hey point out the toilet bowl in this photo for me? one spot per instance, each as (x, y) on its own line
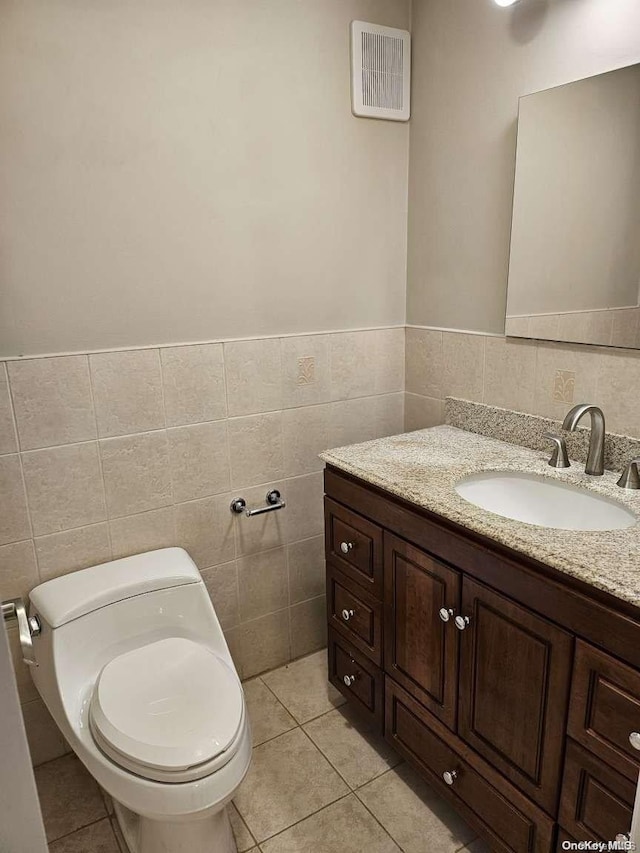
(132, 664)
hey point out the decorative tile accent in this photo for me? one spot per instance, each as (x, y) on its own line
(563, 386)
(306, 370)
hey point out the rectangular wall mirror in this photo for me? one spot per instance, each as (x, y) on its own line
(574, 268)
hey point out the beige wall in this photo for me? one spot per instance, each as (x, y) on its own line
(110, 454)
(176, 172)
(472, 60)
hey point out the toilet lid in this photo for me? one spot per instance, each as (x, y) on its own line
(169, 705)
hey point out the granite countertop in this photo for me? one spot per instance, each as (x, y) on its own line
(422, 467)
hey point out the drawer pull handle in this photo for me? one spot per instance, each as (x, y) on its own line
(445, 613)
(347, 614)
(450, 776)
(462, 622)
(345, 547)
(349, 679)
(634, 740)
(623, 836)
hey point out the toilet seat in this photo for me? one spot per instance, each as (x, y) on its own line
(170, 711)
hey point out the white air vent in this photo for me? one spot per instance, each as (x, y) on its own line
(380, 71)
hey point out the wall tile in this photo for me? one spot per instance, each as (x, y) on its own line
(8, 440)
(193, 381)
(509, 377)
(306, 372)
(625, 327)
(60, 553)
(423, 362)
(304, 513)
(145, 531)
(618, 384)
(136, 473)
(462, 365)
(52, 401)
(255, 445)
(199, 458)
(64, 487)
(127, 390)
(306, 567)
(222, 585)
(308, 626)
(598, 327)
(262, 583)
(14, 518)
(254, 376)
(389, 360)
(26, 688)
(353, 364)
(18, 569)
(388, 414)
(262, 532)
(45, 739)
(263, 643)
(422, 412)
(517, 326)
(205, 529)
(544, 326)
(580, 360)
(365, 418)
(305, 434)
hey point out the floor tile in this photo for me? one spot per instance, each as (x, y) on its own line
(357, 753)
(69, 796)
(97, 838)
(269, 718)
(244, 839)
(303, 688)
(344, 827)
(289, 779)
(416, 817)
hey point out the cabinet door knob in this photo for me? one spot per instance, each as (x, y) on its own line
(462, 622)
(345, 547)
(348, 680)
(634, 740)
(623, 836)
(445, 613)
(450, 776)
(347, 614)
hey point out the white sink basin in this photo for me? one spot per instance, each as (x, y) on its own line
(542, 501)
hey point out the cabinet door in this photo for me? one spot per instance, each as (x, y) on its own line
(420, 650)
(515, 669)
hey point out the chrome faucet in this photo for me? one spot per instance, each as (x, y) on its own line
(595, 457)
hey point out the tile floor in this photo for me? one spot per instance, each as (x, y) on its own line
(317, 784)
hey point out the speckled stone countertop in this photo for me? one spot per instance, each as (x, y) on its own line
(423, 467)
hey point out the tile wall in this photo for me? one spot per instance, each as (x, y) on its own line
(108, 454)
(538, 377)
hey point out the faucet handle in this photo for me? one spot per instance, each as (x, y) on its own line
(559, 457)
(630, 478)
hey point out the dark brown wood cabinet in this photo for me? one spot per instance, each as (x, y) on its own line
(510, 687)
(421, 651)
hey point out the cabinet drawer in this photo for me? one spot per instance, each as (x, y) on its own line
(605, 708)
(597, 802)
(354, 544)
(355, 614)
(358, 679)
(511, 822)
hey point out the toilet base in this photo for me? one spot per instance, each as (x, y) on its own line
(211, 834)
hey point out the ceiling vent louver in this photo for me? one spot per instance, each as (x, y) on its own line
(380, 71)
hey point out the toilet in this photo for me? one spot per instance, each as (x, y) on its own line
(132, 664)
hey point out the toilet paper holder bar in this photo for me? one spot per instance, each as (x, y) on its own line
(239, 505)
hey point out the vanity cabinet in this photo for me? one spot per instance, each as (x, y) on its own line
(510, 688)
